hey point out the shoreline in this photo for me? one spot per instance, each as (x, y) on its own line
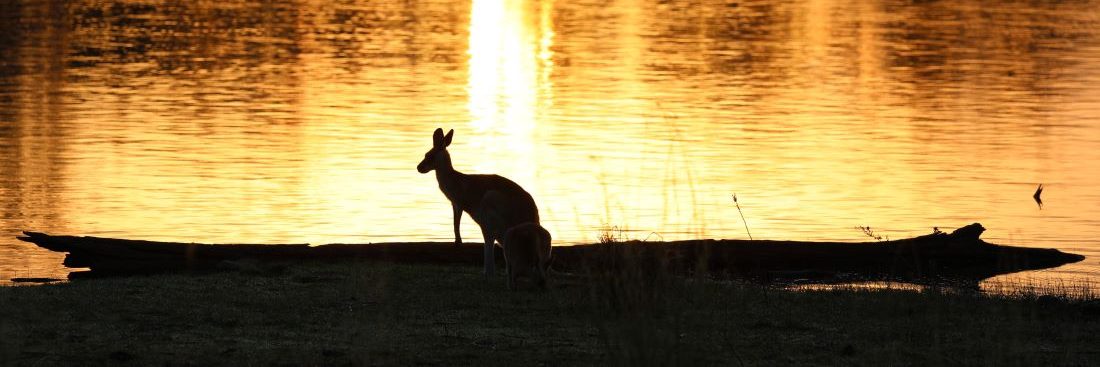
(372, 313)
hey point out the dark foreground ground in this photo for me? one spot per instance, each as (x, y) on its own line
(383, 314)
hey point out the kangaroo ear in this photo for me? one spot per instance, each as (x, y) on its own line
(447, 139)
(437, 138)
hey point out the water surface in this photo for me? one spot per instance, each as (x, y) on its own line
(302, 121)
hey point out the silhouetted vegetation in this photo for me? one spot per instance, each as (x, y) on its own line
(381, 314)
(867, 231)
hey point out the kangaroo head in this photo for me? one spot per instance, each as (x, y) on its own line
(437, 157)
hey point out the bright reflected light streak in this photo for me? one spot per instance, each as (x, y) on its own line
(508, 68)
(509, 81)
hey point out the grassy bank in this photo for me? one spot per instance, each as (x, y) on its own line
(380, 314)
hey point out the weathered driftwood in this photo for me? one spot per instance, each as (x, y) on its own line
(960, 255)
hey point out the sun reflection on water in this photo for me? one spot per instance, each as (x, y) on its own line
(236, 121)
(509, 55)
(510, 62)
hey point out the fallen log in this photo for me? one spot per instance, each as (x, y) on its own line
(960, 255)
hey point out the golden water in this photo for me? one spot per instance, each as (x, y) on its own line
(302, 121)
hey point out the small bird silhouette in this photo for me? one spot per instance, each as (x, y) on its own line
(1039, 200)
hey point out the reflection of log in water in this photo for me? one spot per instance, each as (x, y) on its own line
(960, 255)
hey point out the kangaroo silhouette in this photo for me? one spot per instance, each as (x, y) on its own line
(511, 205)
(527, 253)
(526, 245)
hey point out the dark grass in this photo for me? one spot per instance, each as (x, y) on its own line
(362, 313)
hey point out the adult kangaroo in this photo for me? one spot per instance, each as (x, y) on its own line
(466, 193)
